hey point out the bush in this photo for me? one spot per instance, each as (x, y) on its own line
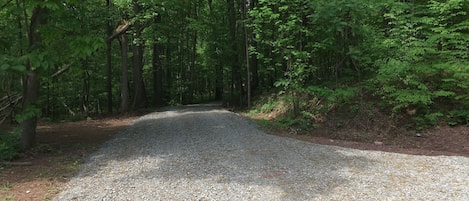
(9, 145)
(430, 89)
(456, 117)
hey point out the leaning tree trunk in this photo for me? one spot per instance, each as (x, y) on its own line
(31, 83)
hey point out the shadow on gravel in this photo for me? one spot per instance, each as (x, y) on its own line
(204, 148)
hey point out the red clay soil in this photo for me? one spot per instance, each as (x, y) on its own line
(449, 141)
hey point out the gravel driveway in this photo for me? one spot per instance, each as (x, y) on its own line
(203, 152)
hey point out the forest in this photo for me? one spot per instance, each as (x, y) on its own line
(75, 59)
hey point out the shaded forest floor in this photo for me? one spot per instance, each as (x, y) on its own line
(40, 174)
(62, 147)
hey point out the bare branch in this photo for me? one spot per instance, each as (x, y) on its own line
(61, 71)
(8, 102)
(120, 29)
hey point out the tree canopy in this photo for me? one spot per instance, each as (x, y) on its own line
(81, 58)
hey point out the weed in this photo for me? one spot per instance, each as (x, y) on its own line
(7, 185)
(8, 197)
(50, 193)
(3, 189)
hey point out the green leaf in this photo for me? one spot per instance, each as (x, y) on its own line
(19, 68)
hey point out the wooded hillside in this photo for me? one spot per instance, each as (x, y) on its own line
(72, 58)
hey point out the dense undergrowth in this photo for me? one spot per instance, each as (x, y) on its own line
(9, 144)
(354, 108)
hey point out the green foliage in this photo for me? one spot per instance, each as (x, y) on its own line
(28, 112)
(266, 105)
(9, 144)
(320, 54)
(458, 117)
(298, 123)
(428, 69)
(339, 96)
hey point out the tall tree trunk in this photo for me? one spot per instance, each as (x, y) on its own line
(124, 88)
(246, 50)
(181, 76)
(157, 70)
(235, 72)
(169, 80)
(109, 62)
(254, 60)
(140, 99)
(190, 98)
(31, 82)
(86, 88)
(193, 56)
(218, 68)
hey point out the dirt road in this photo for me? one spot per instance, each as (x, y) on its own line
(203, 152)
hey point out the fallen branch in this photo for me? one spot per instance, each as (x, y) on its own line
(8, 102)
(61, 71)
(69, 110)
(5, 163)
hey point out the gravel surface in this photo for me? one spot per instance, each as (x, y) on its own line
(203, 152)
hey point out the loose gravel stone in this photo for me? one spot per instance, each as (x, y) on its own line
(203, 152)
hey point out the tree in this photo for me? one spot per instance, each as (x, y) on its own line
(31, 81)
(157, 69)
(109, 60)
(137, 61)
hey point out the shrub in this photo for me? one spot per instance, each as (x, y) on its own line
(9, 145)
(430, 89)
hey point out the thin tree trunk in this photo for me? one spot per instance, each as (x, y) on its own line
(168, 78)
(124, 88)
(219, 82)
(157, 75)
(254, 60)
(86, 88)
(157, 70)
(246, 49)
(192, 68)
(193, 56)
(109, 63)
(181, 77)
